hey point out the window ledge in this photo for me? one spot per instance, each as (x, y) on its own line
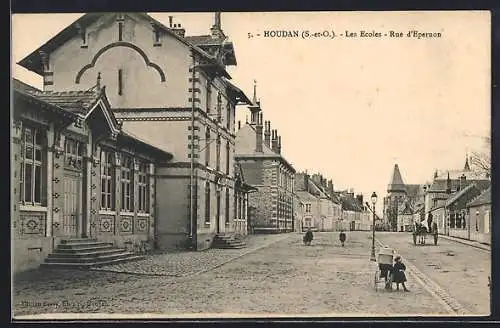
(32, 208)
(107, 212)
(143, 214)
(126, 213)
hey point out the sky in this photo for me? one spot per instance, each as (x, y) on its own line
(348, 108)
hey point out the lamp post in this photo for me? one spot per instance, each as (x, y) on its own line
(374, 200)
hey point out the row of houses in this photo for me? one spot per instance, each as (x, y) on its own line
(133, 139)
(458, 201)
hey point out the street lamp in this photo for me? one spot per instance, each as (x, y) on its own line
(374, 200)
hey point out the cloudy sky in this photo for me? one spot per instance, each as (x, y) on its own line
(349, 108)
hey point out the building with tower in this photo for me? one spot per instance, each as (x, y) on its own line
(168, 89)
(258, 151)
(401, 202)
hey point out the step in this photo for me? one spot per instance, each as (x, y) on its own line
(66, 265)
(96, 259)
(80, 250)
(78, 240)
(88, 254)
(83, 245)
(231, 247)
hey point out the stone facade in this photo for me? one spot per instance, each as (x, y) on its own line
(258, 151)
(168, 89)
(77, 174)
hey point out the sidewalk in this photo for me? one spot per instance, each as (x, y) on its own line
(180, 264)
(467, 242)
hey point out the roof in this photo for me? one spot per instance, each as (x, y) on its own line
(350, 203)
(414, 190)
(245, 146)
(439, 185)
(482, 199)
(305, 196)
(456, 196)
(147, 144)
(19, 85)
(78, 102)
(396, 183)
(33, 61)
(237, 92)
(204, 40)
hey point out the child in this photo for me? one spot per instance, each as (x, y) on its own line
(398, 271)
(342, 237)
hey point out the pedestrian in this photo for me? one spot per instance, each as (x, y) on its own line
(308, 237)
(342, 237)
(398, 273)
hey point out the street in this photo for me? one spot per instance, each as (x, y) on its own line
(284, 277)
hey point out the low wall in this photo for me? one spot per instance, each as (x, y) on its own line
(30, 253)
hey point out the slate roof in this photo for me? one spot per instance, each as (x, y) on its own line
(350, 203)
(204, 40)
(414, 190)
(20, 85)
(440, 184)
(396, 183)
(305, 196)
(237, 91)
(456, 196)
(483, 198)
(78, 102)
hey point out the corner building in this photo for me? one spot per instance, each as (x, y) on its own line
(169, 89)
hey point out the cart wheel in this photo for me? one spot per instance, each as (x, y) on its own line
(435, 239)
(414, 239)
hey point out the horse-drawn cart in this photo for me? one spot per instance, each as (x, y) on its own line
(420, 233)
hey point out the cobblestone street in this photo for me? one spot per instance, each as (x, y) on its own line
(285, 277)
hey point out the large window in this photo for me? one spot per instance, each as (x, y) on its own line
(143, 186)
(308, 208)
(219, 107)
(207, 202)
(73, 151)
(218, 153)
(228, 115)
(32, 163)
(227, 205)
(228, 157)
(127, 191)
(209, 96)
(207, 147)
(107, 180)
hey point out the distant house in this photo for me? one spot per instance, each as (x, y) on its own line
(351, 210)
(308, 196)
(479, 217)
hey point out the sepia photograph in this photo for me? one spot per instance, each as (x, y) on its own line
(326, 164)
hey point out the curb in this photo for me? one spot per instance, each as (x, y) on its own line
(451, 305)
(467, 242)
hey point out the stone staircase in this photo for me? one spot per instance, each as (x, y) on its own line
(85, 253)
(227, 241)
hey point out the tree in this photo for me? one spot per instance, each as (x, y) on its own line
(481, 160)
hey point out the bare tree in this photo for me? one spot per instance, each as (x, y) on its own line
(481, 160)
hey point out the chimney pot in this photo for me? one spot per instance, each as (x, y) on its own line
(170, 18)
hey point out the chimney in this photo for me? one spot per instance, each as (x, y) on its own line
(463, 178)
(170, 18)
(274, 141)
(267, 133)
(178, 30)
(258, 134)
(330, 187)
(279, 144)
(448, 184)
(306, 182)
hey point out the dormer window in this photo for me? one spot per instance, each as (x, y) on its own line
(83, 35)
(156, 37)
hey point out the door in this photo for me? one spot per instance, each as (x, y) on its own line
(487, 222)
(72, 204)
